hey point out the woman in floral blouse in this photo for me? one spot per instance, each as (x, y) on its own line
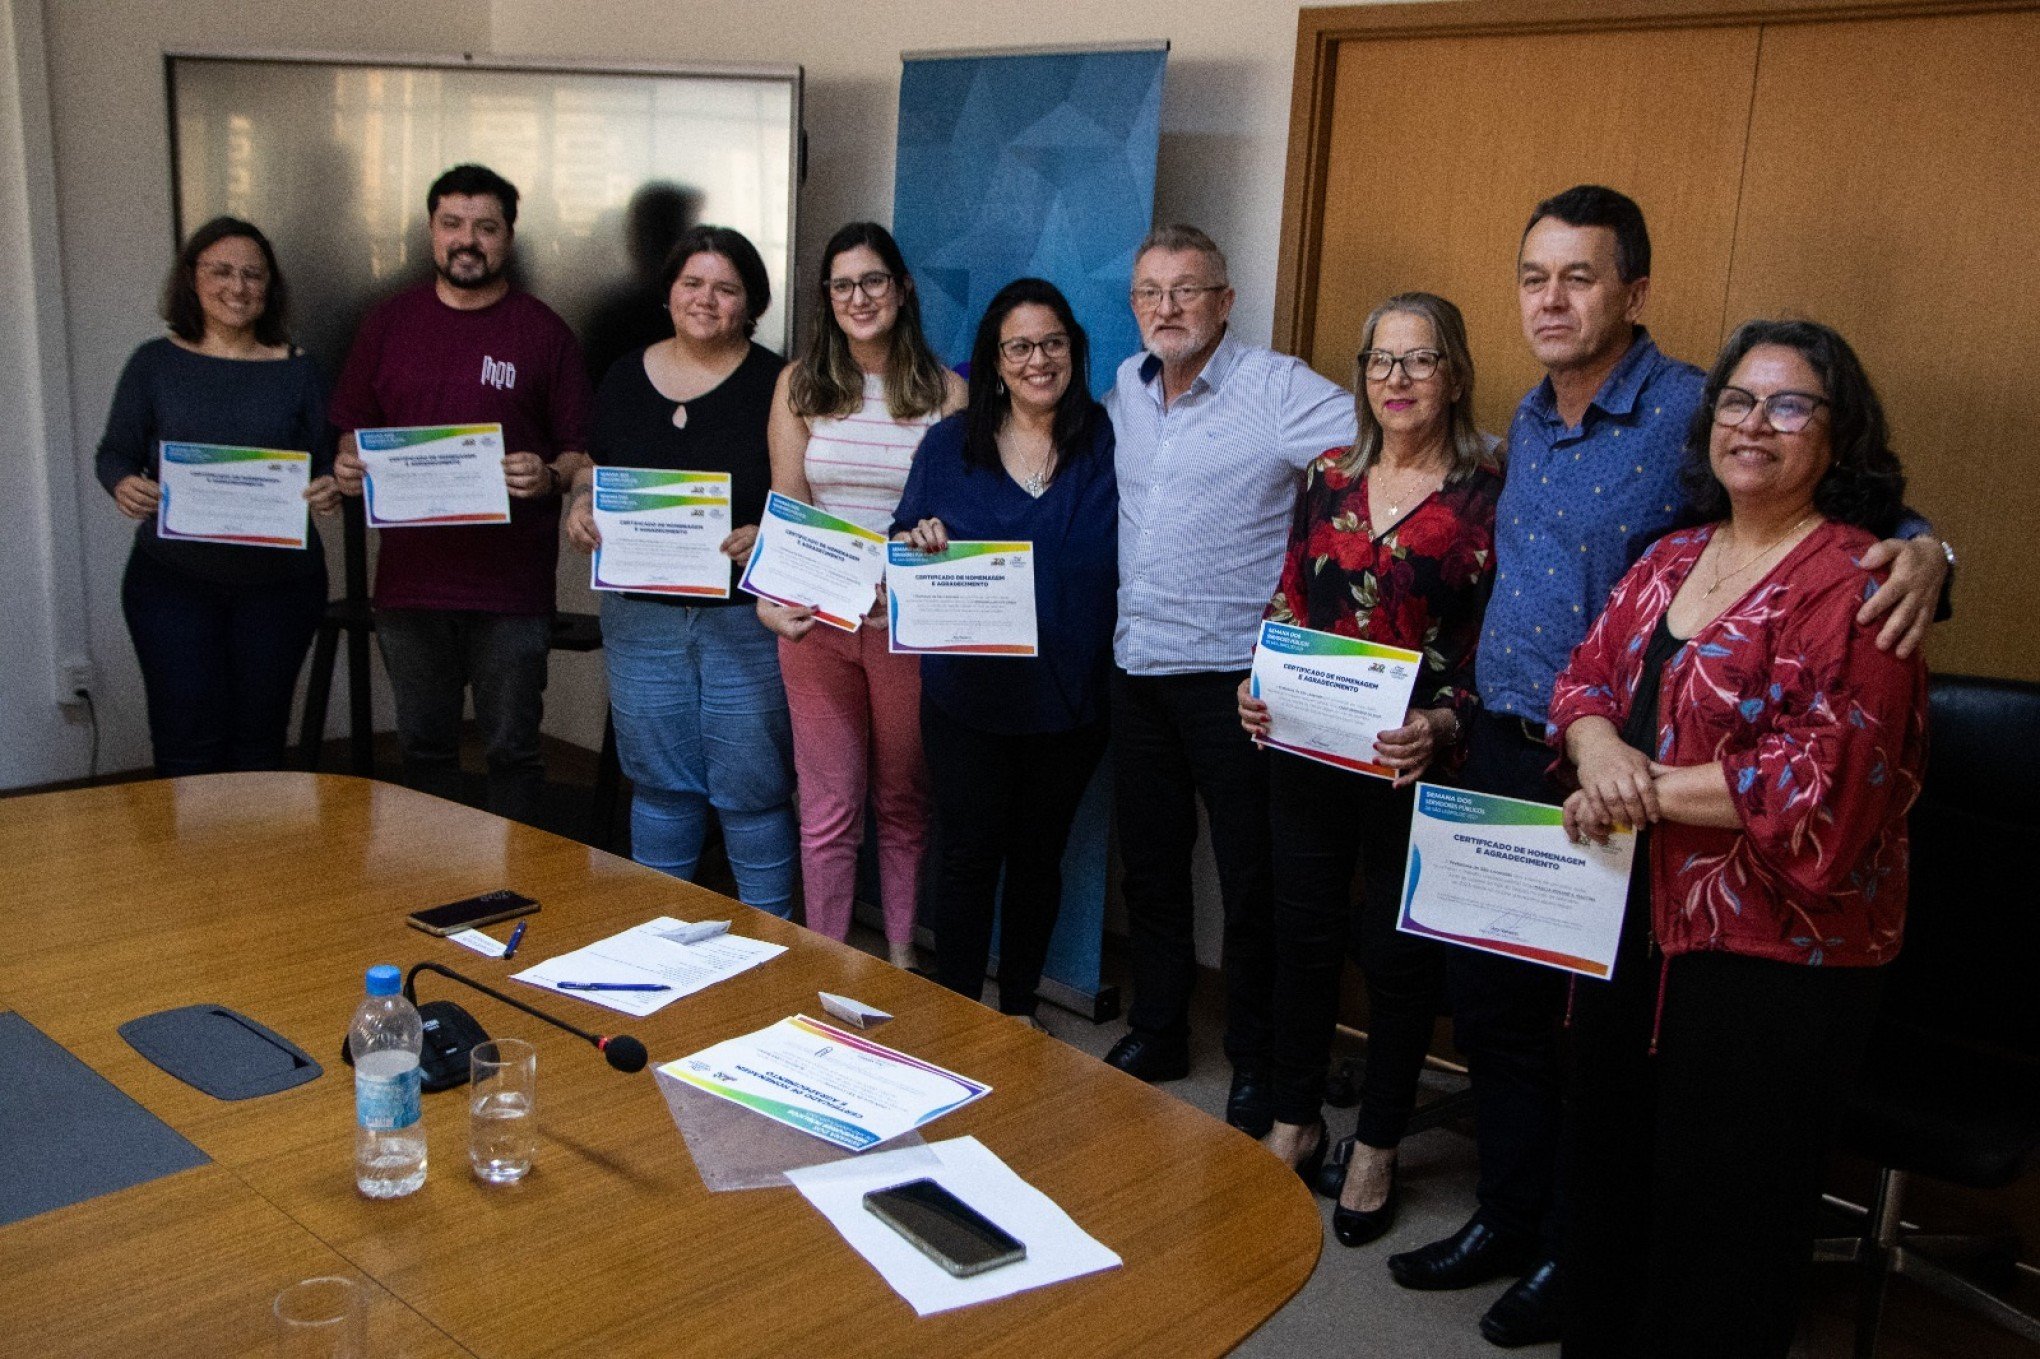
(1728, 702)
(1393, 542)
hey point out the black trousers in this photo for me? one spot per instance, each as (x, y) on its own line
(1693, 1177)
(1322, 822)
(1003, 803)
(1177, 738)
(219, 662)
(1506, 1017)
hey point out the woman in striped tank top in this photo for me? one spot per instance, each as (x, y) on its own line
(846, 419)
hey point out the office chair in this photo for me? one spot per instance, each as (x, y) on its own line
(1952, 1088)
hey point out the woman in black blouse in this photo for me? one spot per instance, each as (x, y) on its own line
(220, 629)
(694, 682)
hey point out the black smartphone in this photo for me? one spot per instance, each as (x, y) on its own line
(944, 1228)
(472, 912)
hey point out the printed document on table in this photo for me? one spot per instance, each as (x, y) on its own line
(1328, 696)
(429, 475)
(1498, 874)
(211, 493)
(827, 1082)
(1057, 1248)
(807, 557)
(970, 599)
(662, 532)
(645, 954)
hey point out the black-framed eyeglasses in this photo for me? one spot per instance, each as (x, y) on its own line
(873, 285)
(1182, 295)
(1019, 350)
(1786, 412)
(1417, 364)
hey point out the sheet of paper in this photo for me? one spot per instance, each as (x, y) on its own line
(1328, 697)
(479, 942)
(807, 557)
(215, 494)
(1498, 874)
(662, 532)
(827, 1082)
(429, 475)
(971, 599)
(643, 954)
(1057, 1248)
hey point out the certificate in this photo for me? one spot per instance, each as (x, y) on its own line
(215, 494)
(662, 532)
(970, 599)
(827, 1082)
(1498, 874)
(1328, 697)
(805, 557)
(444, 474)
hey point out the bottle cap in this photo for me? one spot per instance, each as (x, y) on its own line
(384, 980)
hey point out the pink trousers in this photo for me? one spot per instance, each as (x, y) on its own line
(856, 712)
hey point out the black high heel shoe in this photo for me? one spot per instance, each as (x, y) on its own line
(1307, 1169)
(1331, 1177)
(1358, 1226)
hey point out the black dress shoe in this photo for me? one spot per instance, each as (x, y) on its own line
(1149, 1058)
(1358, 1226)
(1250, 1105)
(1528, 1313)
(1472, 1255)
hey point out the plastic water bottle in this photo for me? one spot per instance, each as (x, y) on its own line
(389, 1137)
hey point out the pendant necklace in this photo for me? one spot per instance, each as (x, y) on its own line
(1723, 577)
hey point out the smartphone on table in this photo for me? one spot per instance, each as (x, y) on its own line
(944, 1228)
(472, 913)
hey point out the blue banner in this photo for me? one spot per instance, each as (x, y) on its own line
(1010, 166)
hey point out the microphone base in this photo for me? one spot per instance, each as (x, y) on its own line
(451, 1034)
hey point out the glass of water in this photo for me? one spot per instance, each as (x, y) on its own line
(503, 1110)
(324, 1318)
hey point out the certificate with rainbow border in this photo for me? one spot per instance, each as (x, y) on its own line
(430, 475)
(1499, 875)
(827, 1082)
(212, 493)
(809, 558)
(970, 599)
(1328, 696)
(662, 532)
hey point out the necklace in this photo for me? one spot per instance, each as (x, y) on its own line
(1395, 497)
(1036, 484)
(1723, 577)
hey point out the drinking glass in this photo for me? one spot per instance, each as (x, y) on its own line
(503, 1110)
(323, 1318)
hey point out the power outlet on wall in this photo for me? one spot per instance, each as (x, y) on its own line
(74, 678)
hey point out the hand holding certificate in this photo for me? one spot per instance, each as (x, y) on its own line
(1328, 696)
(1499, 874)
(970, 599)
(662, 532)
(451, 474)
(807, 558)
(251, 496)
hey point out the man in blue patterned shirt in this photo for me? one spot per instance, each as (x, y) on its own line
(1593, 459)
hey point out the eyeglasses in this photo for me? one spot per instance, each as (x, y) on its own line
(1019, 350)
(1182, 295)
(227, 273)
(1379, 365)
(873, 285)
(1786, 412)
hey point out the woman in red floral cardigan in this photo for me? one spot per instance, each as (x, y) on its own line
(1728, 703)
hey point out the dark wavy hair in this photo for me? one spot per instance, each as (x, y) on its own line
(826, 380)
(732, 245)
(180, 290)
(1864, 485)
(1076, 413)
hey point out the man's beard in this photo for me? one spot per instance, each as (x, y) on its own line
(473, 282)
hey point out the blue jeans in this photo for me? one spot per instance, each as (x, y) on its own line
(701, 722)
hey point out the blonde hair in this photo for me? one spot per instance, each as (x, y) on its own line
(1466, 447)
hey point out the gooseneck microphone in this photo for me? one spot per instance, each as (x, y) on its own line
(622, 1051)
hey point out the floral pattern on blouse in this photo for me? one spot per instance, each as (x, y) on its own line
(1821, 738)
(1422, 585)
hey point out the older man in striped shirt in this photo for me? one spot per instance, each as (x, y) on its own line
(1212, 435)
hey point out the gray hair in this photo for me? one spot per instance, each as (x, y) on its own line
(1465, 446)
(1179, 236)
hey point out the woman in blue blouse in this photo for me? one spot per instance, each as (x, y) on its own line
(1012, 742)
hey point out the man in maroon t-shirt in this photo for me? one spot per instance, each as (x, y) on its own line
(470, 605)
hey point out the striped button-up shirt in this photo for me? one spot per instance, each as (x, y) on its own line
(1206, 488)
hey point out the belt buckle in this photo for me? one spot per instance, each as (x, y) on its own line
(1533, 732)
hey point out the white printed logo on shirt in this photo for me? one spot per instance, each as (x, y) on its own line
(500, 375)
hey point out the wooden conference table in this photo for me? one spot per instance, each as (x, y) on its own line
(270, 893)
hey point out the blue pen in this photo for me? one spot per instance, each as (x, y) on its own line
(612, 986)
(516, 938)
